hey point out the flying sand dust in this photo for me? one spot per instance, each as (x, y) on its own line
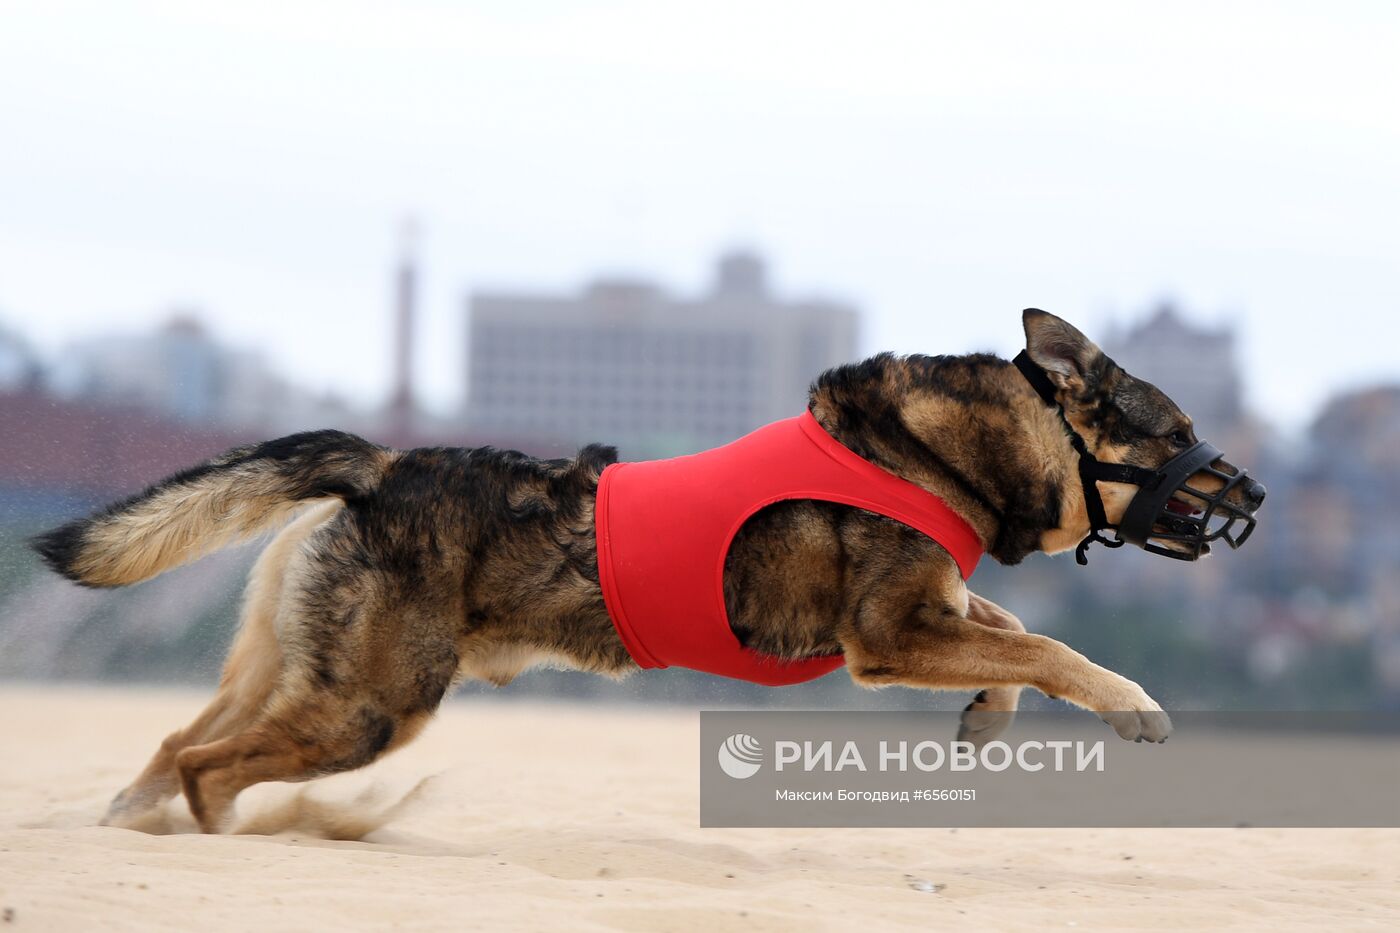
(303, 813)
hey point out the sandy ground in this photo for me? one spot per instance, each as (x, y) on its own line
(507, 817)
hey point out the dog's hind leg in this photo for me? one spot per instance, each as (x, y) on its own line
(313, 735)
(369, 647)
(990, 713)
(250, 674)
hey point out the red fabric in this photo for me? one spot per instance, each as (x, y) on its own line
(665, 526)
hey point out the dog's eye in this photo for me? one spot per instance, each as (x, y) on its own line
(1181, 438)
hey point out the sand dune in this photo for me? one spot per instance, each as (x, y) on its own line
(507, 817)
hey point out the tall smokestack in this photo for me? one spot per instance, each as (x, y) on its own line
(405, 299)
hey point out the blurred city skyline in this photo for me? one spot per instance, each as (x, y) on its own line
(940, 166)
(528, 353)
(67, 368)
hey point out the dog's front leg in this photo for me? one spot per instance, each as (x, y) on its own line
(939, 648)
(990, 713)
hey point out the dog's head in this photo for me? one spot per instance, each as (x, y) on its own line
(1126, 420)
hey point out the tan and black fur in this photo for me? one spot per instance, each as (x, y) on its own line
(406, 571)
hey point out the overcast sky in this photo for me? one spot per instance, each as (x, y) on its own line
(943, 165)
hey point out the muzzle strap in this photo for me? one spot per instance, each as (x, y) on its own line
(1091, 470)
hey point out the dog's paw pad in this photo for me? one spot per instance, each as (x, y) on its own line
(1147, 725)
(980, 726)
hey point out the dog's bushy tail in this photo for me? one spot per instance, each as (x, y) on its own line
(180, 519)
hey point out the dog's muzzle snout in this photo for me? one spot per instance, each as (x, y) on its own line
(1175, 517)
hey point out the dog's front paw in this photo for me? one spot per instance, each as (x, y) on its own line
(1140, 719)
(988, 715)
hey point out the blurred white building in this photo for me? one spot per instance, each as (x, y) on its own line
(183, 372)
(177, 371)
(626, 363)
(19, 365)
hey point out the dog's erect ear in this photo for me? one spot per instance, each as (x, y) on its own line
(1070, 359)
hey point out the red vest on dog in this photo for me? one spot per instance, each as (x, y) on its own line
(665, 526)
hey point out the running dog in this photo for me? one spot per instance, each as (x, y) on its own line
(398, 573)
